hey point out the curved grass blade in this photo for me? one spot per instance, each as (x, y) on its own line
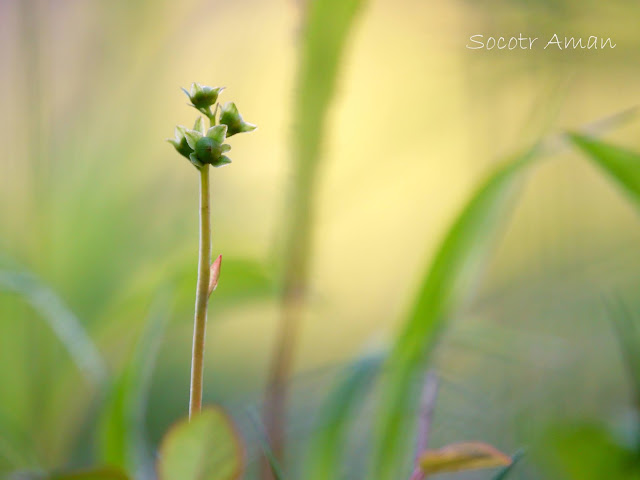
(121, 431)
(455, 266)
(504, 473)
(276, 470)
(626, 330)
(622, 165)
(65, 325)
(327, 448)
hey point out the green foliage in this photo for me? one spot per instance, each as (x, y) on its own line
(327, 29)
(622, 165)
(60, 319)
(628, 336)
(274, 465)
(588, 451)
(330, 434)
(448, 279)
(121, 433)
(205, 448)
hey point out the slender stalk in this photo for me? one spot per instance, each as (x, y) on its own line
(295, 283)
(202, 296)
(276, 395)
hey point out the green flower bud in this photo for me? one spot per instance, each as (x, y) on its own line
(209, 148)
(230, 117)
(180, 142)
(203, 97)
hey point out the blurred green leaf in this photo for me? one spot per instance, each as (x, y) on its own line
(274, 466)
(627, 334)
(205, 448)
(327, 28)
(327, 447)
(66, 326)
(620, 164)
(454, 268)
(121, 430)
(587, 451)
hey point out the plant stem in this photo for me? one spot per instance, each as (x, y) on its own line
(295, 282)
(202, 296)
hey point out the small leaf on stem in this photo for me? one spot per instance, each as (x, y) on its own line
(462, 456)
(214, 274)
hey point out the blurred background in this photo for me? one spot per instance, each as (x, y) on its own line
(98, 213)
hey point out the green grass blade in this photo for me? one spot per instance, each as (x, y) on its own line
(327, 447)
(504, 473)
(328, 25)
(454, 267)
(327, 29)
(622, 165)
(62, 321)
(121, 435)
(276, 470)
(626, 331)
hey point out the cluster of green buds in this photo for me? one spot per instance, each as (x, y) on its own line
(206, 146)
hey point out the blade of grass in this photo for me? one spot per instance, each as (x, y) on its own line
(326, 31)
(516, 457)
(121, 431)
(455, 265)
(327, 448)
(620, 164)
(628, 339)
(66, 326)
(272, 461)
